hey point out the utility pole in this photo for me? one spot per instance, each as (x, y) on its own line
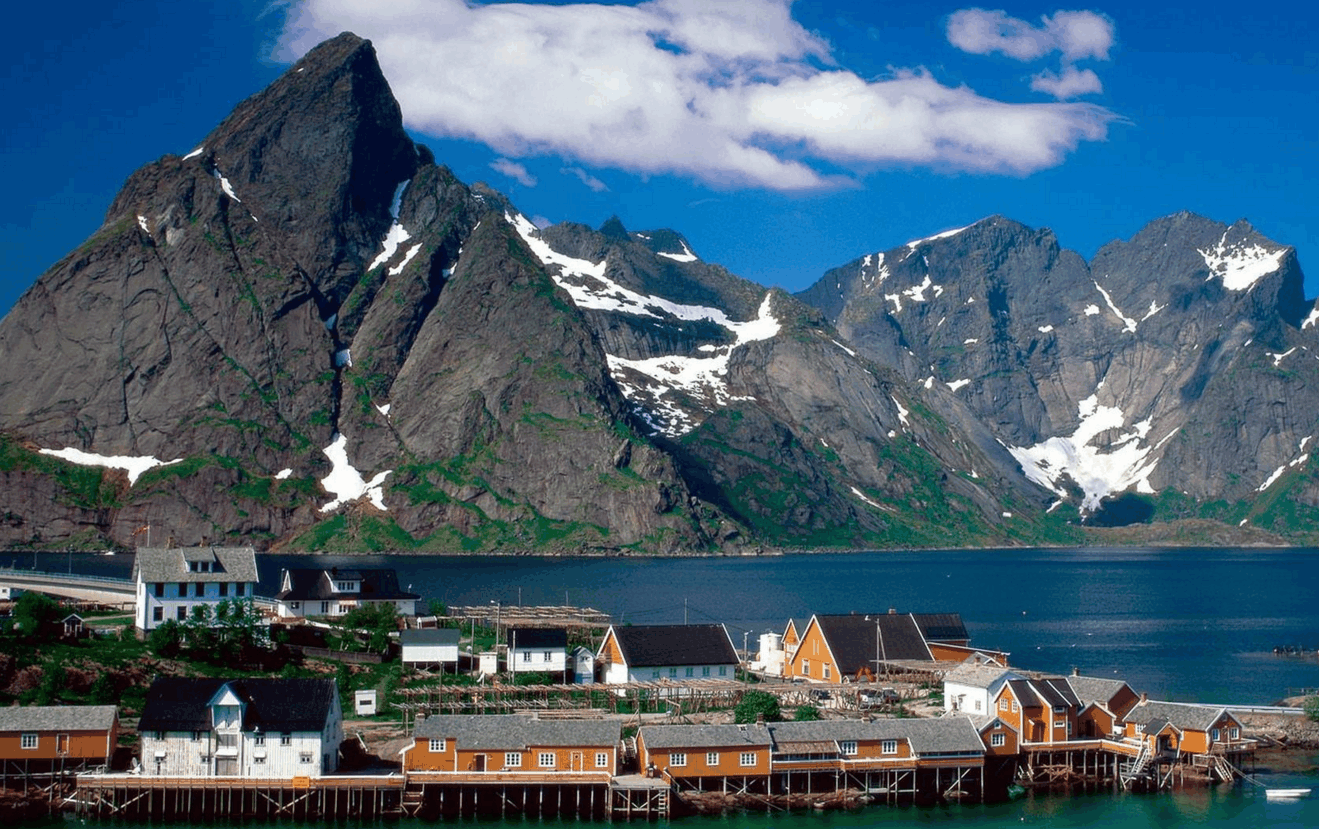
(684, 610)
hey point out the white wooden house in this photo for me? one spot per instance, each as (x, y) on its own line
(538, 650)
(972, 689)
(335, 591)
(170, 582)
(264, 728)
(651, 653)
(430, 648)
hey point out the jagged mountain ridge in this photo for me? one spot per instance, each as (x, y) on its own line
(1182, 362)
(305, 333)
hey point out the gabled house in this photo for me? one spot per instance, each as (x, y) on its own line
(704, 756)
(256, 727)
(652, 653)
(834, 647)
(538, 650)
(431, 648)
(513, 747)
(337, 590)
(1042, 710)
(54, 736)
(171, 581)
(1104, 702)
(972, 689)
(1182, 730)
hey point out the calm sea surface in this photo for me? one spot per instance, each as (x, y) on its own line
(1186, 624)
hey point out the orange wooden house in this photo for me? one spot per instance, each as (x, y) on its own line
(1042, 711)
(707, 757)
(40, 737)
(513, 747)
(840, 647)
(1104, 702)
(1181, 730)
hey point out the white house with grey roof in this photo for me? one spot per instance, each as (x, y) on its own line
(171, 581)
(970, 688)
(430, 648)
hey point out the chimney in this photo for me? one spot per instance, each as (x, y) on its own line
(1144, 697)
(893, 611)
(420, 716)
(1076, 671)
(760, 719)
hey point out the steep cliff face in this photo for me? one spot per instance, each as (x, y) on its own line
(1180, 362)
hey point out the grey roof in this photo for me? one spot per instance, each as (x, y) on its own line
(647, 646)
(1183, 715)
(429, 636)
(1090, 689)
(950, 735)
(1056, 692)
(57, 717)
(517, 732)
(705, 736)
(230, 564)
(942, 627)
(978, 676)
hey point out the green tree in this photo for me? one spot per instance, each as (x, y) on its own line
(806, 713)
(377, 621)
(52, 683)
(35, 613)
(166, 640)
(757, 704)
(1312, 708)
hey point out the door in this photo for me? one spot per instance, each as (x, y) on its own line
(576, 762)
(62, 744)
(478, 763)
(226, 766)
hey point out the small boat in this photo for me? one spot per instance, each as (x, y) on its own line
(1286, 794)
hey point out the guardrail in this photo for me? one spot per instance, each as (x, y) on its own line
(41, 576)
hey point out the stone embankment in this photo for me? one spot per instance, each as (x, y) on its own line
(1282, 730)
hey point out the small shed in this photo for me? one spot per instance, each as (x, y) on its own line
(430, 648)
(364, 702)
(73, 627)
(583, 662)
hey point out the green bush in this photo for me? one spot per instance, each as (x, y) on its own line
(1312, 708)
(806, 713)
(756, 704)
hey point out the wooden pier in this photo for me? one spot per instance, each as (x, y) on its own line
(138, 796)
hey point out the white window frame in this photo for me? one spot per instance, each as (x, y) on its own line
(826, 669)
(997, 740)
(1234, 733)
(602, 759)
(304, 757)
(712, 758)
(847, 747)
(723, 670)
(30, 740)
(1216, 735)
(678, 759)
(888, 747)
(1003, 704)
(746, 759)
(546, 760)
(512, 759)
(436, 745)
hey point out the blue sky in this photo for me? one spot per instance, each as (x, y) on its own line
(781, 140)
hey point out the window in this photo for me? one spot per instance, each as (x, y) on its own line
(160, 735)
(705, 671)
(1014, 706)
(512, 760)
(259, 740)
(826, 668)
(997, 739)
(848, 747)
(181, 612)
(673, 673)
(29, 740)
(526, 656)
(691, 672)
(157, 614)
(723, 670)
(1003, 704)
(224, 588)
(654, 674)
(678, 758)
(977, 705)
(160, 590)
(888, 747)
(325, 607)
(1215, 735)
(304, 757)
(239, 588)
(286, 739)
(437, 746)
(746, 758)
(712, 758)
(545, 759)
(183, 590)
(196, 736)
(259, 760)
(199, 590)
(602, 759)
(1234, 733)
(806, 667)
(1059, 724)
(546, 656)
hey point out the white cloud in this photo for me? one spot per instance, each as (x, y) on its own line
(513, 170)
(729, 92)
(1076, 34)
(586, 178)
(1071, 83)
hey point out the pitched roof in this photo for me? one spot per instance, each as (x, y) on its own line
(754, 735)
(429, 636)
(978, 676)
(646, 646)
(1056, 692)
(942, 627)
(182, 703)
(164, 564)
(1095, 689)
(515, 731)
(948, 735)
(1182, 715)
(57, 717)
(307, 584)
(858, 641)
(538, 638)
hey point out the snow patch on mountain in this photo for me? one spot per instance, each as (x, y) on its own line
(345, 483)
(858, 493)
(685, 256)
(142, 223)
(1129, 324)
(873, 269)
(396, 235)
(911, 246)
(1238, 264)
(407, 257)
(226, 186)
(1278, 358)
(1099, 471)
(194, 153)
(1091, 310)
(902, 411)
(957, 384)
(133, 465)
(1311, 319)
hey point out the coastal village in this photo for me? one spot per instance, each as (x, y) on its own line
(557, 711)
